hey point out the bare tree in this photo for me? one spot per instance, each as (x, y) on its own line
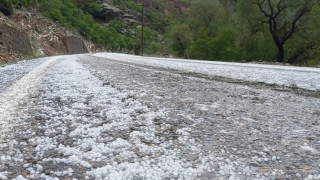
(283, 19)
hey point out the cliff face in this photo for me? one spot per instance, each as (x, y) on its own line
(28, 34)
(13, 42)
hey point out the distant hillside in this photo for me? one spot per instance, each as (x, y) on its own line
(124, 17)
(222, 30)
(112, 25)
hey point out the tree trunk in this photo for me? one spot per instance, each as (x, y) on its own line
(280, 53)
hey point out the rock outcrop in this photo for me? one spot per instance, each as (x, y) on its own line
(75, 45)
(110, 12)
(14, 43)
(167, 7)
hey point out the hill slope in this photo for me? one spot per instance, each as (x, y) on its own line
(28, 34)
(42, 28)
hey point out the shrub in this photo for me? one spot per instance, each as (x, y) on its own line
(6, 7)
(134, 6)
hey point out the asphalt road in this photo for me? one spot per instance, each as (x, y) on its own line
(114, 116)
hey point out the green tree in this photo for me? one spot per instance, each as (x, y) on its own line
(304, 48)
(283, 18)
(213, 35)
(181, 38)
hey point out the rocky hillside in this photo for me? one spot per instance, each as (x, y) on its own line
(128, 10)
(49, 28)
(167, 7)
(28, 34)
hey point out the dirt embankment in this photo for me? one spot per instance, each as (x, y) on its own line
(30, 34)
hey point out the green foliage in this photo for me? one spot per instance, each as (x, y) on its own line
(228, 30)
(56, 16)
(32, 2)
(92, 8)
(150, 40)
(232, 30)
(68, 14)
(258, 46)
(6, 7)
(221, 47)
(134, 6)
(180, 36)
(204, 18)
(281, 18)
(153, 17)
(207, 35)
(304, 47)
(153, 48)
(117, 2)
(117, 25)
(27, 3)
(114, 35)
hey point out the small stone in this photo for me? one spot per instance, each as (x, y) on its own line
(86, 149)
(274, 158)
(266, 159)
(28, 158)
(38, 118)
(298, 175)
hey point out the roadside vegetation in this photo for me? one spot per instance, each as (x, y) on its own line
(251, 30)
(81, 17)
(282, 31)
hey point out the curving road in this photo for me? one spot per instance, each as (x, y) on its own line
(116, 116)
